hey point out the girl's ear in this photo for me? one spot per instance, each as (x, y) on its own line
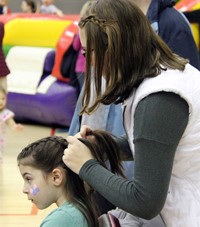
(57, 176)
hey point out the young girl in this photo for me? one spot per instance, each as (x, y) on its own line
(47, 180)
(47, 7)
(6, 118)
(28, 6)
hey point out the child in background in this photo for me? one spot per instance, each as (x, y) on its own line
(47, 180)
(4, 9)
(47, 7)
(6, 118)
(28, 6)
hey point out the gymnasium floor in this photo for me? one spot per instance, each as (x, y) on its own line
(15, 209)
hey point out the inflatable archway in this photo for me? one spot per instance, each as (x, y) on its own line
(34, 29)
(37, 32)
(40, 30)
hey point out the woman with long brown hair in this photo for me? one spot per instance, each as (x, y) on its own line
(159, 91)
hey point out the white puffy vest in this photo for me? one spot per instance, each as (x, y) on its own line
(182, 207)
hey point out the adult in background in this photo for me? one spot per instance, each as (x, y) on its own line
(172, 26)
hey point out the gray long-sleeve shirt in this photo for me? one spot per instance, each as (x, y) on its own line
(159, 122)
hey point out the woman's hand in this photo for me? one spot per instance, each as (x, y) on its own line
(84, 132)
(76, 154)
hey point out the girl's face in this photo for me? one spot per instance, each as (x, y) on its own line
(2, 100)
(38, 187)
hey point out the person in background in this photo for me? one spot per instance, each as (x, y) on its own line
(4, 9)
(47, 7)
(159, 92)
(6, 119)
(47, 180)
(28, 6)
(172, 26)
(4, 70)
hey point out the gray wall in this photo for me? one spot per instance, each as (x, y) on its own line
(67, 6)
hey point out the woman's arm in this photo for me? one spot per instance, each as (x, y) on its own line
(160, 120)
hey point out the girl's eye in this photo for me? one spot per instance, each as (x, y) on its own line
(28, 179)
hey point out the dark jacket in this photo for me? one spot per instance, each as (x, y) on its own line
(174, 29)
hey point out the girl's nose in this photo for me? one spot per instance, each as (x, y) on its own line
(25, 189)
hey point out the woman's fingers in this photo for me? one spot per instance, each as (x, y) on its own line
(85, 131)
(76, 154)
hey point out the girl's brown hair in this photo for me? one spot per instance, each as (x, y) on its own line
(126, 51)
(46, 154)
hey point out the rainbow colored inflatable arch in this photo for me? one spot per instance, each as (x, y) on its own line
(30, 40)
(35, 29)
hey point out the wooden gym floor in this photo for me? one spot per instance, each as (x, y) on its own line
(15, 209)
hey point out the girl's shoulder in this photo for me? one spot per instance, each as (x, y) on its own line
(66, 215)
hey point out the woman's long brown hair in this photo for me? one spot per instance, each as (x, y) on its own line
(126, 51)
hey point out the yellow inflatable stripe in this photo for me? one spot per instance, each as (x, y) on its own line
(34, 32)
(195, 27)
(197, 6)
(195, 31)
